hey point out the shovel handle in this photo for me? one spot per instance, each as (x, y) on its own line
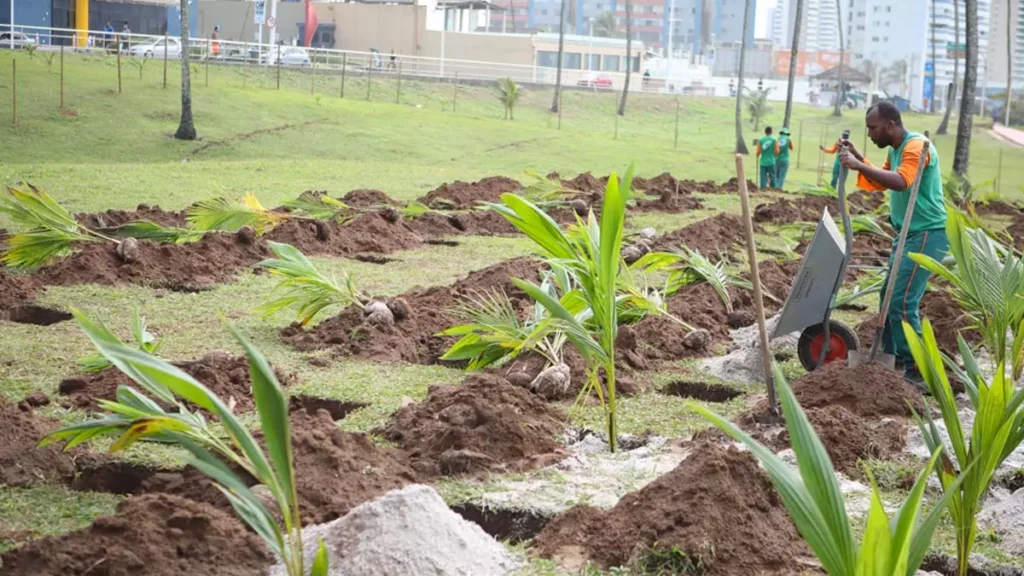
(898, 257)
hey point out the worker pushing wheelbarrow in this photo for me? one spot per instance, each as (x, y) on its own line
(913, 176)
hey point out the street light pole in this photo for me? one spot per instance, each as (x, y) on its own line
(444, 29)
(590, 54)
(671, 31)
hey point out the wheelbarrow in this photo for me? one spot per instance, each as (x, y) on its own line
(810, 302)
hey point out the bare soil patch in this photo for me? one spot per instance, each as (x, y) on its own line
(719, 233)
(461, 195)
(21, 463)
(373, 232)
(102, 221)
(16, 290)
(946, 316)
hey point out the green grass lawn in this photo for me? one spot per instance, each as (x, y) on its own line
(116, 151)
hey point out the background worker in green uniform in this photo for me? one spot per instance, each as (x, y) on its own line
(927, 234)
(782, 162)
(767, 150)
(834, 149)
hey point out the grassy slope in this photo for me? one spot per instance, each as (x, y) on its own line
(117, 153)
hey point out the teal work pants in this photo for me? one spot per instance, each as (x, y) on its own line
(767, 177)
(781, 169)
(835, 176)
(911, 281)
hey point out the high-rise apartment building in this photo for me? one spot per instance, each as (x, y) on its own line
(819, 31)
(779, 31)
(997, 57)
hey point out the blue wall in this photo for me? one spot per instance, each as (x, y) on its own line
(26, 13)
(174, 19)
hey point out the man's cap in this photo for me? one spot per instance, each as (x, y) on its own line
(784, 131)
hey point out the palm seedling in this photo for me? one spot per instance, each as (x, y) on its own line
(593, 255)
(146, 342)
(319, 206)
(216, 451)
(228, 215)
(303, 287)
(544, 191)
(997, 430)
(811, 494)
(508, 94)
(689, 267)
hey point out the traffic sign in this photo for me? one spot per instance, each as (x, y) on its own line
(271, 22)
(260, 11)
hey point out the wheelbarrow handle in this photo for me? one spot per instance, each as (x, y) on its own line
(898, 257)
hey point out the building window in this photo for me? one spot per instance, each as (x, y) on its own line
(594, 61)
(547, 59)
(572, 60)
(610, 63)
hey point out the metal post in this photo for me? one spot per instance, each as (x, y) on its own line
(369, 79)
(799, 144)
(344, 65)
(675, 141)
(118, 63)
(455, 92)
(62, 77)
(398, 95)
(165, 60)
(14, 89)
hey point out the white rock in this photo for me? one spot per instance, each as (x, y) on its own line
(648, 233)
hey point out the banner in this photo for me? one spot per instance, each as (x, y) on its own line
(807, 63)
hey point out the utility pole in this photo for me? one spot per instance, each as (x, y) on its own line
(671, 31)
(273, 31)
(12, 25)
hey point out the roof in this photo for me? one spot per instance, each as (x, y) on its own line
(849, 75)
(470, 5)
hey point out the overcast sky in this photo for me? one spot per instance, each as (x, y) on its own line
(763, 18)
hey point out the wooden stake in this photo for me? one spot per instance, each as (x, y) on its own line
(14, 90)
(344, 65)
(62, 77)
(799, 144)
(369, 79)
(559, 109)
(616, 112)
(209, 56)
(455, 92)
(118, 63)
(312, 82)
(165, 59)
(675, 141)
(748, 222)
(398, 95)
(278, 65)
(999, 173)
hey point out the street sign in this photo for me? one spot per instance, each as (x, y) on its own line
(271, 22)
(261, 6)
(956, 50)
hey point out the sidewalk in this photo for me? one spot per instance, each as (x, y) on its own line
(1010, 135)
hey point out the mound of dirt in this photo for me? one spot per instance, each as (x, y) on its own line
(588, 183)
(996, 207)
(156, 534)
(717, 505)
(946, 316)
(460, 195)
(16, 290)
(870, 391)
(363, 198)
(115, 218)
(180, 267)
(225, 375)
(485, 424)
(672, 197)
(709, 236)
(803, 209)
(867, 201)
(661, 338)
(371, 232)
(776, 278)
(413, 337)
(21, 463)
(1016, 231)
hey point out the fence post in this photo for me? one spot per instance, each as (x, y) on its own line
(799, 144)
(14, 90)
(675, 140)
(245, 66)
(62, 77)
(118, 63)
(165, 59)
(559, 109)
(369, 78)
(999, 173)
(616, 112)
(398, 95)
(312, 81)
(209, 55)
(279, 65)
(455, 92)
(344, 65)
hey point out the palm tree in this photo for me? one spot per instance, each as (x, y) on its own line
(962, 153)
(838, 110)
(951, 95)
(931, 103)
(629, 54)
(561, 49)
(758, 107)
(1009, 61)
(186, 129)
(741, 146)
(797, 24)
(512, 11)
(605, 25)
(508, 94)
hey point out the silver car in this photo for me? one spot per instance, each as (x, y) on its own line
(290, 56)
(20, 40)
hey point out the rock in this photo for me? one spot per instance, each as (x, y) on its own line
(406, 401)
(35, 400)
(634, 252)
(378, 314)
(456, 223)
(579, 206)
(454, 462)
(246, 235)
(699, 339)
(648, 233)
(128, 250)
(71, 385)
(553, 382)
(741, 319)
(391, 215)
(399, 308)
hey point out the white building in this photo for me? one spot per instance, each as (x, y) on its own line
(820, 29)
(997, 56)
(780, 32)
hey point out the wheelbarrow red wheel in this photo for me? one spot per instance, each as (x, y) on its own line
(812, 344)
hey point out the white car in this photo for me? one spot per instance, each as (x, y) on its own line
(20, 40)
(157, 48)
(290, 56)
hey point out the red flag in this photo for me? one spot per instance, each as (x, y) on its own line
(311, 23)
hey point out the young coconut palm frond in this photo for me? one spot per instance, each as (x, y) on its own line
(811, 494)
(697, 268)
(134, 416)
(319, 206)
(997, 431)
(49, 229)
(143, 338)
(508, 94)
(988, 282)
(871, 285)
(146, 230)
(544, 191)
(303, 287)
(229, 215)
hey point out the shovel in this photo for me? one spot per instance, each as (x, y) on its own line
(857, 358)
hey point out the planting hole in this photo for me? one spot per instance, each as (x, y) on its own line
(701, 391)
(114, 477)
(513, 526)
(184, 288)
(37, 315)
(373, 259)
(449, 243)
(338, 409)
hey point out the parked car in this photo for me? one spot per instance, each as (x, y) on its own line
(157, 48)
(595, 81)
(290, 56)
(20, 40)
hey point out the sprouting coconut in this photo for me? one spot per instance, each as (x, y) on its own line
(246, 235)
(553, 382)
(128, 250)
(635, 252)
(378, 314)
(399, 308)
(391, 215)
(698, 339)
(456, 222)
(323, 231)
(579, 206)
(740, 319)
